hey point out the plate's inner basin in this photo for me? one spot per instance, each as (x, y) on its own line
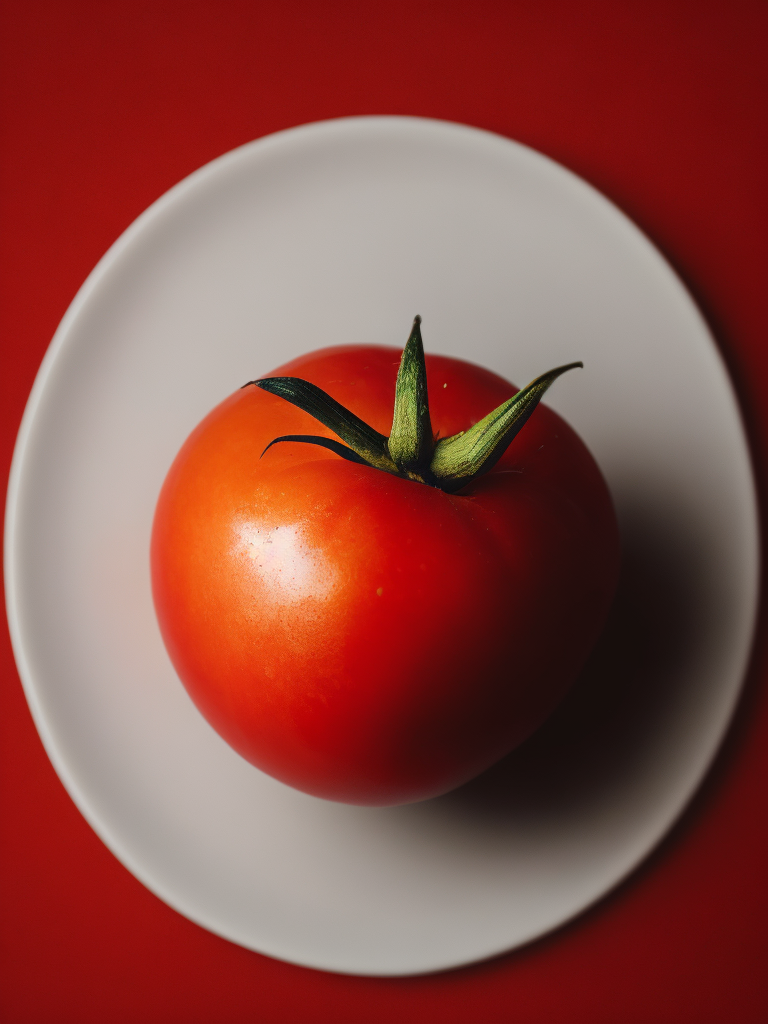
(340, 233)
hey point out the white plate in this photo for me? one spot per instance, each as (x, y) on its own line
(340, 232)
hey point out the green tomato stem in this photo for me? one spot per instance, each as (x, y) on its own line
(411, 451)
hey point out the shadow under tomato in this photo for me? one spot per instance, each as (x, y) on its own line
(603, 734)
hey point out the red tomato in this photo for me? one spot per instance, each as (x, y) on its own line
(368, 638)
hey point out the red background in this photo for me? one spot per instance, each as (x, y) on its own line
(662, 106)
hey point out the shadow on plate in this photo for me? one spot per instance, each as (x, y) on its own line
(600, 740)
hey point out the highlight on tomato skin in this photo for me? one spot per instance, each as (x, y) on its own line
(353, 631)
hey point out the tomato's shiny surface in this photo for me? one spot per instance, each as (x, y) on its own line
(367, 638)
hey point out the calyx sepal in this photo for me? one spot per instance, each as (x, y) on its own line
(362, 440)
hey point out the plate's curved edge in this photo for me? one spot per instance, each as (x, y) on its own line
(59, 340)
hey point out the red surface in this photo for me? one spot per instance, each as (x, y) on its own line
(660, 105)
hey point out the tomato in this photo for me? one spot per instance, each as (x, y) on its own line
(363, 636)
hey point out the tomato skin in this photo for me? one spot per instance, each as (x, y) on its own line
(363, 637)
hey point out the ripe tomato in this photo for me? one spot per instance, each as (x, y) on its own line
(362, 636)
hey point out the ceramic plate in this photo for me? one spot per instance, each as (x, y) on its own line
(340, 232)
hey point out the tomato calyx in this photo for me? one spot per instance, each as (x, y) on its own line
(411, 451)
